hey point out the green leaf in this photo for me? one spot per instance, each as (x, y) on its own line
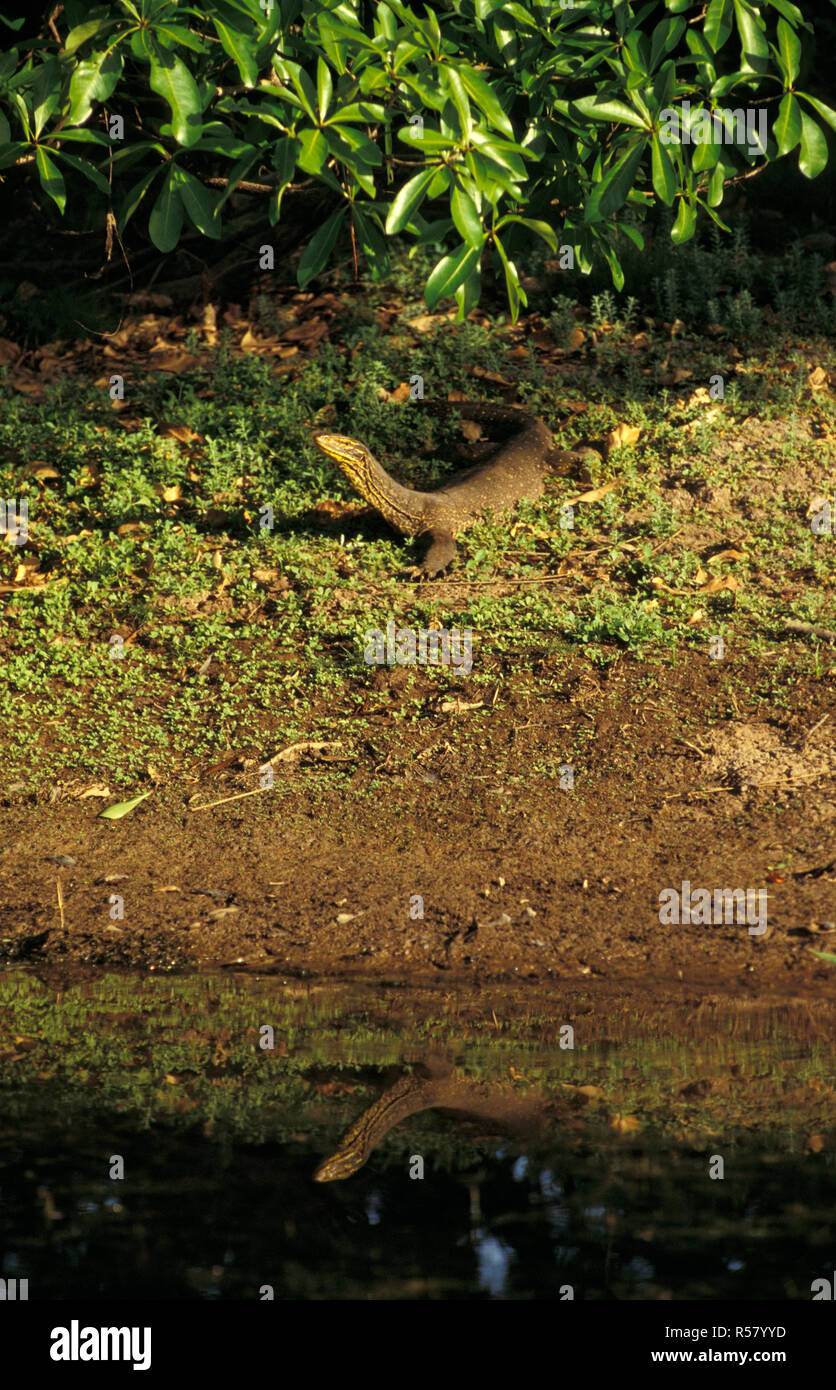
(468, 294)
(52, 180)
(616, 268)
(305, 89)
(407, 199)
(455, 87)
(122, 808)
(521, 15)
(166, 220)
(686, 221)
(823, 955)
(790, 12)
(789, 47)
(319, 248)
(171, 79)
(180, 34)
(489, 176)
(313, 152)
(199, 204)
(716, 186)
(516, 294)
(134, 197)
(9, 154)
(367, 111)
(467, 221)
(541, 229)
(813, 156)
(664, 84)
(713, 215)
(23, 113)
(451, 272)
(82, 32)
(371, 242)
(86, 169)
(324, 87)
(358, 142)
(787, 125)
(46, 93)
(77, 136)
(502, 152)
(826, 112)
(608, 109)
(240, 49)
(486, 99)
(93, 80)
(718, 23)
(703, 53)
(664, 176)
(754, 46)
(330, 41)
(285, 153)
(429, 142)
(612, 191)
(441, 182)
(666, 36)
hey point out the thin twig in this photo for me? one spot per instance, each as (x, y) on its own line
(702, 752)
(810, 732)
(60, 902)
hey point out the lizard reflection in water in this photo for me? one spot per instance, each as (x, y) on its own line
(434, 1085)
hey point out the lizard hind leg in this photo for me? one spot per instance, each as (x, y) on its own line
(440, 551)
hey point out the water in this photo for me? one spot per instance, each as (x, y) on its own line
(152, 1146)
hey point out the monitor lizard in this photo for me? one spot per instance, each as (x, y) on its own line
(515, 472)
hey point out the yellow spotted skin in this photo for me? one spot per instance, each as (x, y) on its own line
(515, 472)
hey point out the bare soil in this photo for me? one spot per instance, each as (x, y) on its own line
(676, 778)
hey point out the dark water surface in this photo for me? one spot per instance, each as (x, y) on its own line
(609, 1194)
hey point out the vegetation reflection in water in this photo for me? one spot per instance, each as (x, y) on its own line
(460, 1151)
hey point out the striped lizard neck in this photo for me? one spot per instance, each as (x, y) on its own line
(398, 505)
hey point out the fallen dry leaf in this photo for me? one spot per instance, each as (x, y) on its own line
(40, 470)
(817, 504)
(729, 555)
(181, 433)
(169, 360)
(715, 586)
(594, 496)
(623, 435)
(298, 750)
(817, 379)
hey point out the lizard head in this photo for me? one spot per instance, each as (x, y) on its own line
(353, 458)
